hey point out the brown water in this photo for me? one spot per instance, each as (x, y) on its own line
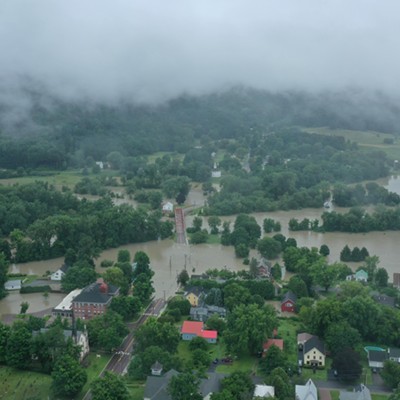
(37, 302)
(168, 258)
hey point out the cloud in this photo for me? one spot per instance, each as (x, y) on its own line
(154, 50)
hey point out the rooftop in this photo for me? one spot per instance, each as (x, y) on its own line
(66, 303)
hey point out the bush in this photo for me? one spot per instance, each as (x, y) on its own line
(35, 289)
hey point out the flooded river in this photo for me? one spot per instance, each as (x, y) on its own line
(168, 258)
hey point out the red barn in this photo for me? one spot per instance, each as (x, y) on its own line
(288, 303)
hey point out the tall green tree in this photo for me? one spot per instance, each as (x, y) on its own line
(109, 387)
(69, 377)
(184, 386)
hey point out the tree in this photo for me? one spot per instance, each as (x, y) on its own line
(197, 224)
(298, 286)
(280, 380)
(341, 335)
(77, 277)
(274, 358)
(184, 386)
(347, 364)
(239, 385)
(154, 333)
(247, 328)
(4, 335)
(324, 250)
(116, 277)
(3, 274)
(124, 256)
(106, 331)
(183, 277)
(198, 343)
(345, 254)
(109, 387)
(269, 248)
(24, 307)
(214, 222)
(381, 277)
(391, 373)
(324, 275)
(201, 358)
(126, 306)
(68, 377)
(242, 250)
(18, 346)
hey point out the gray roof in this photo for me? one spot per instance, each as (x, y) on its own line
(64, 268)
(92, 294)
(394, 352)
(385, 300)
(198, 311)
(312, 343)
(360, 392)
(216, 309)
(289, 296)
(156, 386)
(211, 384)
(197, 290)
(378, 356)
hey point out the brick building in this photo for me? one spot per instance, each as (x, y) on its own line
(94, 299)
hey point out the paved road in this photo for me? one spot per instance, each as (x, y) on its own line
(120, 360)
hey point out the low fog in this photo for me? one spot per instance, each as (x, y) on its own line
(151, 51)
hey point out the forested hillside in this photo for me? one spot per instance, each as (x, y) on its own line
(58, 134)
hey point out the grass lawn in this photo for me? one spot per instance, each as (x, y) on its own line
(94, 366)
(287, 330)
(23, 385)
(244, 363)
(136, 390)
(335, 394)
(320, 374)
(378, 396)
(67, 178)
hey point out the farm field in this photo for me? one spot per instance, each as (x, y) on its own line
(367, 139)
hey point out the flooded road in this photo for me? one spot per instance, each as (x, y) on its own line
(169, 258)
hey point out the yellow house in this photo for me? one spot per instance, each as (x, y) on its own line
(194, 295)
(314, 353)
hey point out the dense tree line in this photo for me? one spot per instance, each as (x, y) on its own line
(45, 223)
(359, 220)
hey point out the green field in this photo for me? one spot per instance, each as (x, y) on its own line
(365, 139)
(57, 178)
(27, 385)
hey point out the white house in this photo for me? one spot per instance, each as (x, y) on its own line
(57, 276)
(307, 391)
(264, 391)
(168, 207)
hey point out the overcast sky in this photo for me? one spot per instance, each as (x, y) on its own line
(154, 50)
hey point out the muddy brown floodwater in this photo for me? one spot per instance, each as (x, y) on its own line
(169, 258)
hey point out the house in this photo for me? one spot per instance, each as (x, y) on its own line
(57, 276)
(359, 276)
(199, 314)
(94, 299)
(64, 309)
(167, 207)
(302, 338)
(376, 358)
(203, 313)
(385, 300)
(396, 280)
(156, 387)
(314, 353)
(288, 303)
(79, 338)
(14, 284)
(156, 369)
(194, 294)
(307, 391)
(264, 391)
(192, 329)
(273, 342)
(360, 392)
(394, 354)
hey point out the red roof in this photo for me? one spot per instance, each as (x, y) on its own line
(192, 327)
(195, 327)
(273, 342)
(209, 334)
